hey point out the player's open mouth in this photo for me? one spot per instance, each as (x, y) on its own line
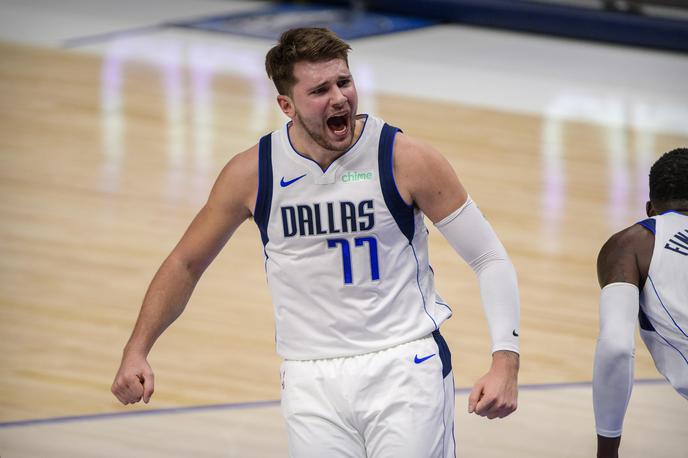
(339, 125)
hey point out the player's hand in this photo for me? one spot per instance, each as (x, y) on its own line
(134, 380)
(495, 394)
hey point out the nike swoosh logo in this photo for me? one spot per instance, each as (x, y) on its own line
(514, 333)
(418, 360)
(284, 184)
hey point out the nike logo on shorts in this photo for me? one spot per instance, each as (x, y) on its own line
(418, 360)
(284, 184)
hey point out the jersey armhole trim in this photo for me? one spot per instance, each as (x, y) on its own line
(261, 214)
(400, 210)
(649, 224)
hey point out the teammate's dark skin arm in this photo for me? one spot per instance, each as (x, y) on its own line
(625, 258)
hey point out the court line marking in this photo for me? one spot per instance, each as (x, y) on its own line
(264, 404)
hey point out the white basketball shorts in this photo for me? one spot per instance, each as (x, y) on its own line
(394, 403)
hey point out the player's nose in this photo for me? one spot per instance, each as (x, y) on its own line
(338, 97)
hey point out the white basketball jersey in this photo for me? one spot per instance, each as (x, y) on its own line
(664, 299)
(346, 258)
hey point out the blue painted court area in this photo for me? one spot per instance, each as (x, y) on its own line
(272, 21)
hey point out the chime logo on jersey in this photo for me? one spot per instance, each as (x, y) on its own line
(327, 218)
(354, 176)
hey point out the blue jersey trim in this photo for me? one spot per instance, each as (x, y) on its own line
(420, 289)
(402, 213)
(453, 421)
(261, 214)
(446, 305)
(444, 407)
(445, 354)
(644, 321)
(670, 344)
(649, 224)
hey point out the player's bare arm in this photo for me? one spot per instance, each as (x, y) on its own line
(229, 204)
(425, 178)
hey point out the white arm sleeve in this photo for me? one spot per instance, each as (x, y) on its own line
(612, 379)
(472, 237)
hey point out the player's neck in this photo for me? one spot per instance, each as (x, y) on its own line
(306, 146)
(682, 210)
(681, 207)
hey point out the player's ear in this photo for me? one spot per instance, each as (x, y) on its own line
(286, 105)
(649, 209)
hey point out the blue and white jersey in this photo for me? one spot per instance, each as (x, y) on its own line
(346, 257)
(664, 299)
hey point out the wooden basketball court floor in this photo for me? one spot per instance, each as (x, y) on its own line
(106, 155)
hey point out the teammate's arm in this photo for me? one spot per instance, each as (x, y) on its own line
(622, 267)
(229, 204)
(426, 178)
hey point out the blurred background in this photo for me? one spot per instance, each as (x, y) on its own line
(116, 117)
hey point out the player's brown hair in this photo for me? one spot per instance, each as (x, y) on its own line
(298, 45)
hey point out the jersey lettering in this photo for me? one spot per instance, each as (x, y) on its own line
(678, 243)
(330, 218)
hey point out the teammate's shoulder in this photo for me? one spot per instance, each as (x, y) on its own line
(626, 244)
(629, 237)
(625, 256)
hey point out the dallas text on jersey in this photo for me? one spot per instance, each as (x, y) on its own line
(327, 218)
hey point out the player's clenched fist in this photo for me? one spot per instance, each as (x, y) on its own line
(495, 394)
(134, 381)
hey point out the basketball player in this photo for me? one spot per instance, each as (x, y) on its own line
(339, 199)
(643, 272)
